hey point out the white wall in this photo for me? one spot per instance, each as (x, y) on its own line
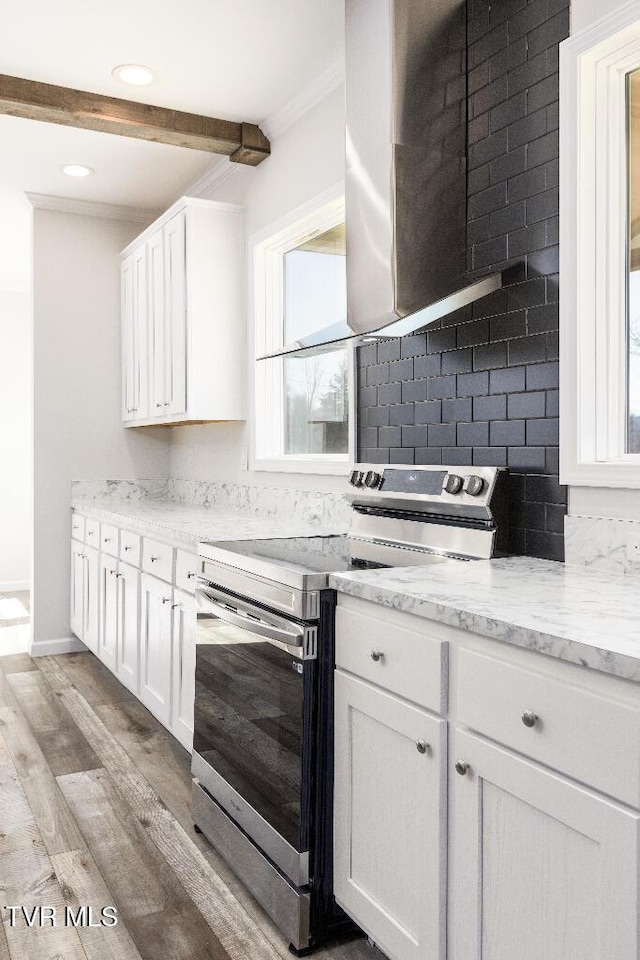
(306, 160)
(586, 12)
(77, 428)
(15, 440)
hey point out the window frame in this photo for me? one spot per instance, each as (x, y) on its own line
(267, 250)
(594, 252)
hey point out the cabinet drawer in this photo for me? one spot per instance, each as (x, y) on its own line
(109, 540)
(157, 559)
(396, 653)
(130, 548)
(587, 736)
(92, 533)
(77, 527)
(188, 566)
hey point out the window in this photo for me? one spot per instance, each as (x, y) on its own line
(302, 403)
(600, 253)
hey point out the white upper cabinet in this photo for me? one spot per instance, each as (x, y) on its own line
(183, 318)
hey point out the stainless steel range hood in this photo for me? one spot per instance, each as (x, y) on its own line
(406, 173)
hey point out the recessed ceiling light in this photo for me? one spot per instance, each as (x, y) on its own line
(134, 73)
(77, 170)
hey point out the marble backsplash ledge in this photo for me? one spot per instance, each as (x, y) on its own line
(600, 543)
(314, 507)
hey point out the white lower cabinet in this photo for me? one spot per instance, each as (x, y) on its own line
(108, 632)
(85, 594)
(539, 799)
(542, 868)
(184, 666)
(155, 646)
(141, 626)
(390, 824)
(127, 654)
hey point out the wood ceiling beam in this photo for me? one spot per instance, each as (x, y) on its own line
(241, 142)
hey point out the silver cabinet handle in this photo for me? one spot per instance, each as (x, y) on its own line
(529, 718)
(422, 746)
(462, 767)
(377, 655)
(166, 599)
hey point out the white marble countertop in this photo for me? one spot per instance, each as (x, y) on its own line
(189, 523)
(582, 616)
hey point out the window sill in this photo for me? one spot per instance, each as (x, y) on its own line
(322, 466)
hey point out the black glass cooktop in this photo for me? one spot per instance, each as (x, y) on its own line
(330, 554)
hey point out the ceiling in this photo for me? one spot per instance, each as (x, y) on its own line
(234, 59)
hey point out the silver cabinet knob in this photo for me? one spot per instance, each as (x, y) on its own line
(166, 599)
(153, 559)
(190, 575)
(107, 540)
(126, 549)
(118, 575)
(167, 403)
(422, 746)
(158, 404)
(377, 655)
(462, 767)
(529, 718)
(174, 605)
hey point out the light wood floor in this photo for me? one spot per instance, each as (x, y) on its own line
(94, 810)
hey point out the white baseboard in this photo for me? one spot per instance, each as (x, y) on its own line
(51, 648)
(11, 586)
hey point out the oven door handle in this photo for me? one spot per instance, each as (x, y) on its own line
(291, 638)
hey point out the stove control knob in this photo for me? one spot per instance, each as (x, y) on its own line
(452, 483)
(372, 479)
(356, 478)
(473, 486)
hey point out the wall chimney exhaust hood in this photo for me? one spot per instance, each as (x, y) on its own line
(406, 171)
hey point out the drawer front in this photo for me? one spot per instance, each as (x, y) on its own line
(77, 527)
(157, 559)
(188, 566)
(109, 540)
(398, 654)
(130, 548)
(92, 533)
(589, 737)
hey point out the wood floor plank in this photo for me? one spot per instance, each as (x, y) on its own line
(140, 881)
(58, 736)
(92, 679)
(17, 663)
(142, 799)
(7, 697)
(27, 877)
(83, 885)
(54, 820)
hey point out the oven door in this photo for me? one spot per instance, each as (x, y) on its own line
(253, 719)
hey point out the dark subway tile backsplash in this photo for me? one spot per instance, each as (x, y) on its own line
(481, 387)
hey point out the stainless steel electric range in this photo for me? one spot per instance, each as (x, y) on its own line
(263, 744)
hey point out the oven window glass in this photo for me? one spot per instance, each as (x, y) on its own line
(249, 721)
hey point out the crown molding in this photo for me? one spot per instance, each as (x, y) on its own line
(295, 108)
(91, 208)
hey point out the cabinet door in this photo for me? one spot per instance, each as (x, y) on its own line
(129, 347)
(77, 597)
(542, 869)
(389, 820)
(127, 652)
(155, 647)
(155, 269)
(184, 667)
(92, 598)
(175, 368)
(108, 632)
